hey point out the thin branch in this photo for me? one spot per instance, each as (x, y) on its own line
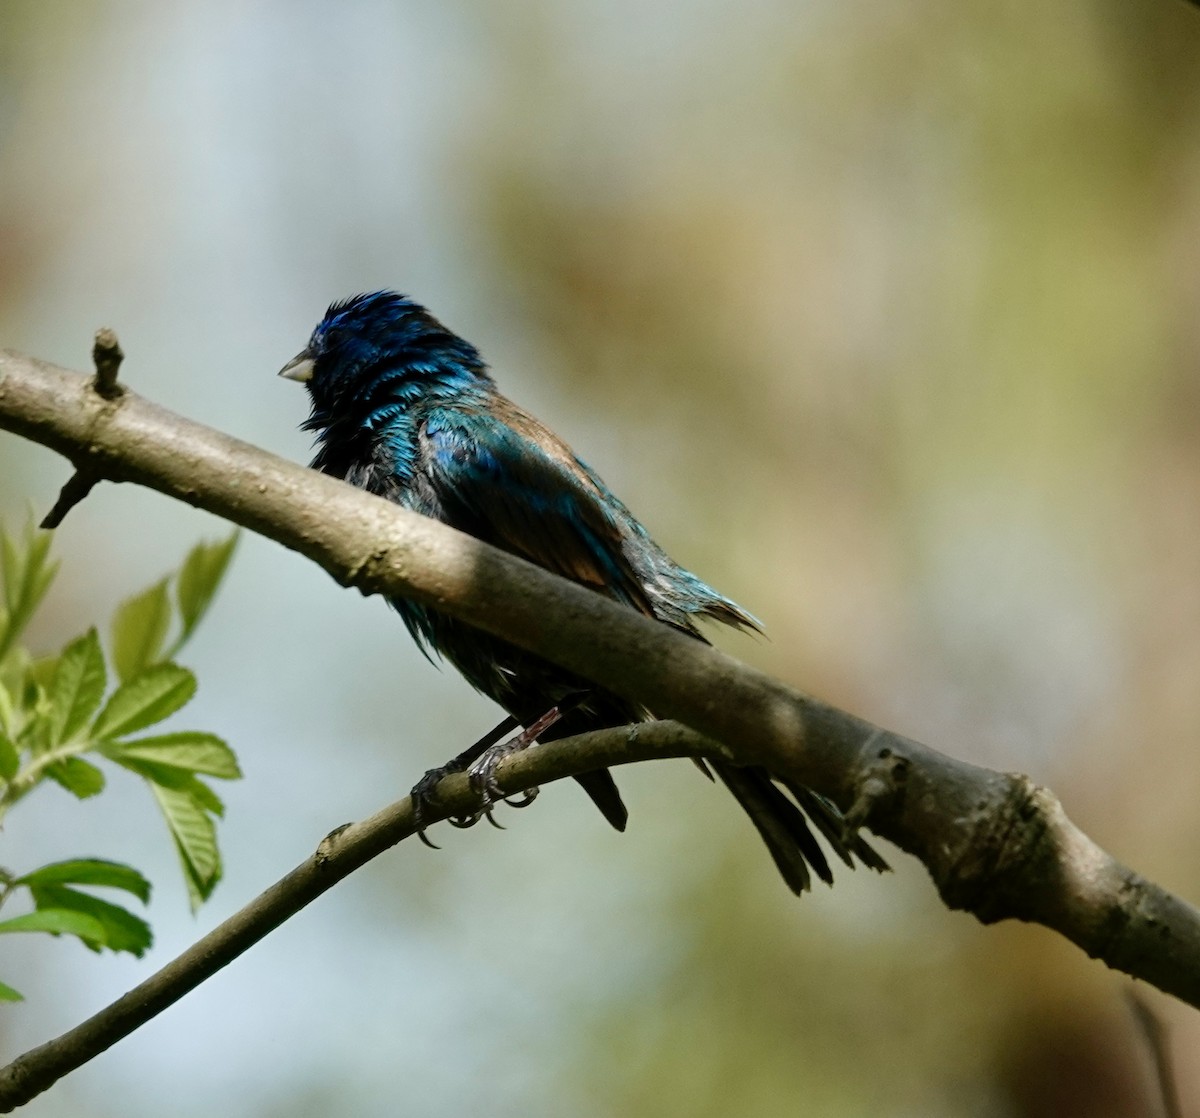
(342, 852)
(995, 844)
(78, 486)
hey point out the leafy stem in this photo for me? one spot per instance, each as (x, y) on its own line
(31, 774)
(53, 710)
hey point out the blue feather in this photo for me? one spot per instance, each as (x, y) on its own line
(405, 408)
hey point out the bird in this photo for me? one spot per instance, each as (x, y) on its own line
(406, 409)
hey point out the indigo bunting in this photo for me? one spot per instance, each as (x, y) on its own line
(405, 409)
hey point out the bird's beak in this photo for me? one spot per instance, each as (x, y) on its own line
(299, 367)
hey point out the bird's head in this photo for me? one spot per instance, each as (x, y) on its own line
(381, 349)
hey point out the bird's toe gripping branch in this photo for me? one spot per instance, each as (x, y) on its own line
(424, 792)
(482, 772)
(480, 763)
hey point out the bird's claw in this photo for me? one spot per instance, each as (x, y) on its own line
(464, 822)
(423, 794)
(482, 775)
(491, 818)
(480, 764)
(483, 782)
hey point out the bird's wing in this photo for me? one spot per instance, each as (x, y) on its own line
(502, 476)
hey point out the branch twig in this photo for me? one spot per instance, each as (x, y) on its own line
(107, 356)
(995, 844)
(342, 852)
(78, 486)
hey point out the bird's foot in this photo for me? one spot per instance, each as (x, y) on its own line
(482, 771)
(480, 763)
(424, 792)
(424, 795)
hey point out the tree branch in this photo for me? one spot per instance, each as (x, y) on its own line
(995, 844)
(341, 852)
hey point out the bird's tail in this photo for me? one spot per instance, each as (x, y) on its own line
(785, 830)
(605, 795)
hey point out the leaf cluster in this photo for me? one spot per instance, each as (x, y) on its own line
(59, 717)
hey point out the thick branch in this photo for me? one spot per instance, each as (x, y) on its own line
(995, 844)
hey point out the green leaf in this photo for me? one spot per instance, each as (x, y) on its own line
(17, 670)
(120, 929)
(35, 711)
(206, 797)
(77, 688)
(175, 780)
(26, 576)
(195, 840)
(58, 922)
(35, 733)
(41, 671)
(8, 712)
(90, 871)
(199, 578)
(192, 750)
(11, 571)
(8, 994)
(158, 692)
(24, 572)
(139, 630)
(77, 776)
(10, 758)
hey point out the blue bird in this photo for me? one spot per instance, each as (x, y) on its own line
(406, 409)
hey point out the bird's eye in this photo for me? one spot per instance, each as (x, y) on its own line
(325, 340)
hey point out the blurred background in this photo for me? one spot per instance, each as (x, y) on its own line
(882, 318)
